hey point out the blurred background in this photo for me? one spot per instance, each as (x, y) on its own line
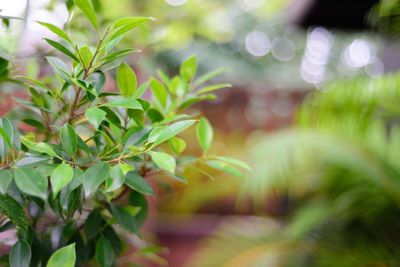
(314, 110)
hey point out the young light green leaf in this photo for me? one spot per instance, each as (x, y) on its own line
(62, 49)
(140, 91)
(60, 177)
(14, 211)
(159, 91)
(69, 139)
(193, 99)
(124, 103)
(94, 176)
(213, 88)
(116, 178)
(56, 30)
(125, 25)
(86, 7)
(31, 181)
(177, 145)
(20, 254)
(188, 68)
(86, 55)
(126, 79)
(131, 20)
(173, 130)
(5, 180)
(234, 161)
(204, 134)
(138, 183)
(163, 161)
(40, 147)
(104, 252)
(95, 116)
(129, 222)
(209, 75)
(64, 257)
(225, 167)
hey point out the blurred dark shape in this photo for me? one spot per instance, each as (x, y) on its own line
(350, 15)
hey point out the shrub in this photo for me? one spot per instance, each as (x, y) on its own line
(78, 181)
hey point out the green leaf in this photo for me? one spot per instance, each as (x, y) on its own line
(64, 257)
(213, 88)
(20, 254)
(126, 79)
(188, 68)
(138, 183)
(60, 177)
(204, 134)
(209, 75)
(163, 161)
(5, 180)
(86, 7)
(86, 56)
(131, 20)
(126, 24)
(35, 123)
(116, 55)
(59, 67)
(225, 167)
(140, 91)
(95, 116)
(234, 161)
(40, 147)
(69, 139)
(173, 130)
(125, 218)
(56, 30)
(94, 176)
(93, 224)
(10, 207)
(138, 200)
(124, 103)
(7, 134)
(177, 145)
(193, 99)
(104, 252)
(62, 49)
(116, 178)
(159, 91)
(31, 181)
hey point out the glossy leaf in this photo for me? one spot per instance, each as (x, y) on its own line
(56, 30)
(140, 91)
(6, 135)
(62, 49)
(95, 116)
(5, 180)
(209, 75)
(40, 147)
(204, 133)
(60, 177)
(138, 183)
(86, 7)
(63, 257)
(188, 68)
(225, 167)
(104, 252)
(116, 178)
(126, 219)
(159, 91)
(124, 103)
(213, 88)
(177, 145)
(14, 211)
(126, 79)
(94, 176)
(164, 161)
(31, 181)
(172, 130)
(234, 161)
(20, 254)
(69, 139)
